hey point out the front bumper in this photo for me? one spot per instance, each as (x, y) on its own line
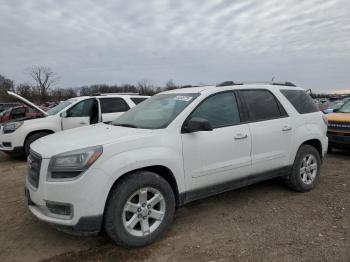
(86, 195)
(11, 143)
(86, 225)
(339, 139)
(15, 151)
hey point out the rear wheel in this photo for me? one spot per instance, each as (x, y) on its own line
(140, 208)
(31, 139)
(306, 169)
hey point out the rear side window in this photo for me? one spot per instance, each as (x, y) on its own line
(113, 105)
(262, 105)
(138, 100)
(220, 110)
(301, 101)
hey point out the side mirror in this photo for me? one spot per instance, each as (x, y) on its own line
(196, 124)
(336, 110)
(64, 114)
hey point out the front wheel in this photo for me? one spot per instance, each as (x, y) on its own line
(140, 208)
(306, 169)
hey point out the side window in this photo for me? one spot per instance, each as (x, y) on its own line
(82, 109)
(262, 105)
(113, 105)
(220, 110)
(301, 101)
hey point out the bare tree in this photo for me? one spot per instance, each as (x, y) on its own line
(44, 77)
(170, 85)
(144, 86)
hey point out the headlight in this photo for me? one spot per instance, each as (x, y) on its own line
(71, 164)
(11, 127)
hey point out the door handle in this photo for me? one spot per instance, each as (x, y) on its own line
(82, 123)
(286, 128)
(240, 136)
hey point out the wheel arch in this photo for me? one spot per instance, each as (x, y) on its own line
(49, 131)
(316, 143)
(160, 170)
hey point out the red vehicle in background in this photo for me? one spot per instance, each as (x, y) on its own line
(19, 112)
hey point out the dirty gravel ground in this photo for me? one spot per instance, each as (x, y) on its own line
(264, 222)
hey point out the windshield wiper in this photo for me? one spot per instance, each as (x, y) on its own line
(125, 125)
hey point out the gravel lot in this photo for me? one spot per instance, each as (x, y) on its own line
(264, 222)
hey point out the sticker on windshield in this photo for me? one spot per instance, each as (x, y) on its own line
(183, 98)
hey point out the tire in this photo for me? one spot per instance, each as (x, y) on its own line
(129, 190)
(31, 139)
(305, 181)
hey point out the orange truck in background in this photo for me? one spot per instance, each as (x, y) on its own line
(339, 128)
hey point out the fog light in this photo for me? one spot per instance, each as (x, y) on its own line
(6, 144)
(62, 209)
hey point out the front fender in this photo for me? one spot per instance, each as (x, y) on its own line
(118, 165)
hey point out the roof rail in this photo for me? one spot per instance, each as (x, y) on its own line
(188, 86)
(106, 94)
(231, 83)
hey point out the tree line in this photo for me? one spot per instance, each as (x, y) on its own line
(45, 87)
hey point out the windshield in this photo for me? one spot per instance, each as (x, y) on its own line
(59, 107)
(156, 112)
(345, 108)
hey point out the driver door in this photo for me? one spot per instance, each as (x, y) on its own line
(223, 154)
(79, 115)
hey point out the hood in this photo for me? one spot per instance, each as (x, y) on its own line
(339, 117)
(27, 102)
(79, 138)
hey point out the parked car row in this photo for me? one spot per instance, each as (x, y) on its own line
(330, 105)
(6, 106)
(18, 134)
(21, 112)
(339, 127)
(127, 173)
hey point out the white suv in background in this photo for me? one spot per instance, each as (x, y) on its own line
(128, 176)
(16, 136)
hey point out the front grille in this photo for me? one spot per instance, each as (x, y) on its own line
(339, 125)
(34, 165)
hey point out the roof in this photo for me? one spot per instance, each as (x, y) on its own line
(79, 98)
(203, 89)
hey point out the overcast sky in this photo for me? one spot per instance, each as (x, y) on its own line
(189, 41)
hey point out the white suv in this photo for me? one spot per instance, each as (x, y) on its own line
(178, 146)
(16, 136)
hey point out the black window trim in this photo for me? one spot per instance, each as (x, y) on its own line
(183, 129)
(245, 107)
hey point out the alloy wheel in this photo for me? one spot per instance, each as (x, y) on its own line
(308, 169)
(144, 211)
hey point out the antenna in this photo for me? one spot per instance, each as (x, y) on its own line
(273, 78)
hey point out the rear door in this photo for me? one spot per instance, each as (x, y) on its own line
(112, 108)
(223, 154)
(271, 130)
